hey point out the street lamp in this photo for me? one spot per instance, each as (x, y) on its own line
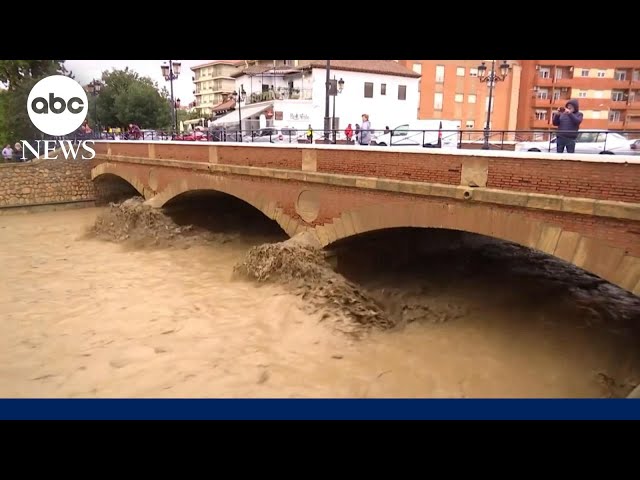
(170, 73)
(491, 79)
(94, 90)
(239, 97)
(336, 89)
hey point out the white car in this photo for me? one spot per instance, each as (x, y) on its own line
(418, 135)
(608, 143)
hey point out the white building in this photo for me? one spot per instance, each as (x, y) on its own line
(294, 95)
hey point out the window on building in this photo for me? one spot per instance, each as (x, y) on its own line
(584, 73)
(617, 96)
(417, 67)
(402, 92)
(471, 98)
(459, 98)
(460, 71)
(437, 101)
(368, 90)
(636, 75)
(469, 124)
(556, 95)
(473, 72)
(542, 93)
(621, 75)
(601, 73)
(544, 72)
(383, 89)
(559, 73)
(615, 115)
(439, 73)
(541, 114)
(582, 94)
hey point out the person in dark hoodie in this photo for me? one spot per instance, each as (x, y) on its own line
(568, 120)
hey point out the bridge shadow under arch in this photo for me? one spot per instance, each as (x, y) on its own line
(268, 207)
(471, 266)
(591, 254)
(223, 213)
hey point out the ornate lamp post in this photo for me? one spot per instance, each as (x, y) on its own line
(491, 80)
(336, 88)
(170, 73)
(94, 90)
(239, 97)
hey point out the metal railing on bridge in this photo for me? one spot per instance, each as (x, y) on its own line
(528, 140)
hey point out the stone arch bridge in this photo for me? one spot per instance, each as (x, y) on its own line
(582, 209)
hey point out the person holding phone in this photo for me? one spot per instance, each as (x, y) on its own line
(568, 120)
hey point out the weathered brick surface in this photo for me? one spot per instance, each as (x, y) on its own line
(603, 181)
(428, 167)
(54, 181)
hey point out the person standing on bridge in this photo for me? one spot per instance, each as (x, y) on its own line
(568, 120)
(365, 130)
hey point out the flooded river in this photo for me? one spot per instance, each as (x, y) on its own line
(82, 317)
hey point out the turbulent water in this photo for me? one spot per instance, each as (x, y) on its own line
(207, 299)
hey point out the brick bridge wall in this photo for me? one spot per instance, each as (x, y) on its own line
(45, 182)
(585, 212)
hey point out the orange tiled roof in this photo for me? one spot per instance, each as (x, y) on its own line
(227, 105)
(384, 67)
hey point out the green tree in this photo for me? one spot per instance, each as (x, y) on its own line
(129, 98)
(18, 77)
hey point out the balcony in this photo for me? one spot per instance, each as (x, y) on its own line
(564, 82)
(542, 102)
(541, 123)
(543, 81)
(617, 125)
(280, 94)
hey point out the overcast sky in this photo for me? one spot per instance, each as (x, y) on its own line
(86, 70)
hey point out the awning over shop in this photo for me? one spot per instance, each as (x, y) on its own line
(246, 112)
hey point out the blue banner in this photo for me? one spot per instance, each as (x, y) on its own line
(319, 409)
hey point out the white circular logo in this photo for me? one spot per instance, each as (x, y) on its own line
(57, 105)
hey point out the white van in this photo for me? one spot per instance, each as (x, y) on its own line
(423, 133)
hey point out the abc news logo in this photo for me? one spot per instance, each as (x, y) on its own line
(40, 105)
(58, 106)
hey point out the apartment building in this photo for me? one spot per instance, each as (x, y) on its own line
(451, 90)
(608, 91)
(213, 81)
(293, 94)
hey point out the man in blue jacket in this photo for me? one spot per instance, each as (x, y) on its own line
(568, 120)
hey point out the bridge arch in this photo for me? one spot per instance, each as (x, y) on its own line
(590, 254)
(221, 184)
(133, 180)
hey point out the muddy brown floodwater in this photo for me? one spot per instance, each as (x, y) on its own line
(85, 317)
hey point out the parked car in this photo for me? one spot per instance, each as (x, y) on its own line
(272, 135)
(635, 146)
(608, 143)
(423, 133)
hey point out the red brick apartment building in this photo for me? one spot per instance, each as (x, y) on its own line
(608, 91)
